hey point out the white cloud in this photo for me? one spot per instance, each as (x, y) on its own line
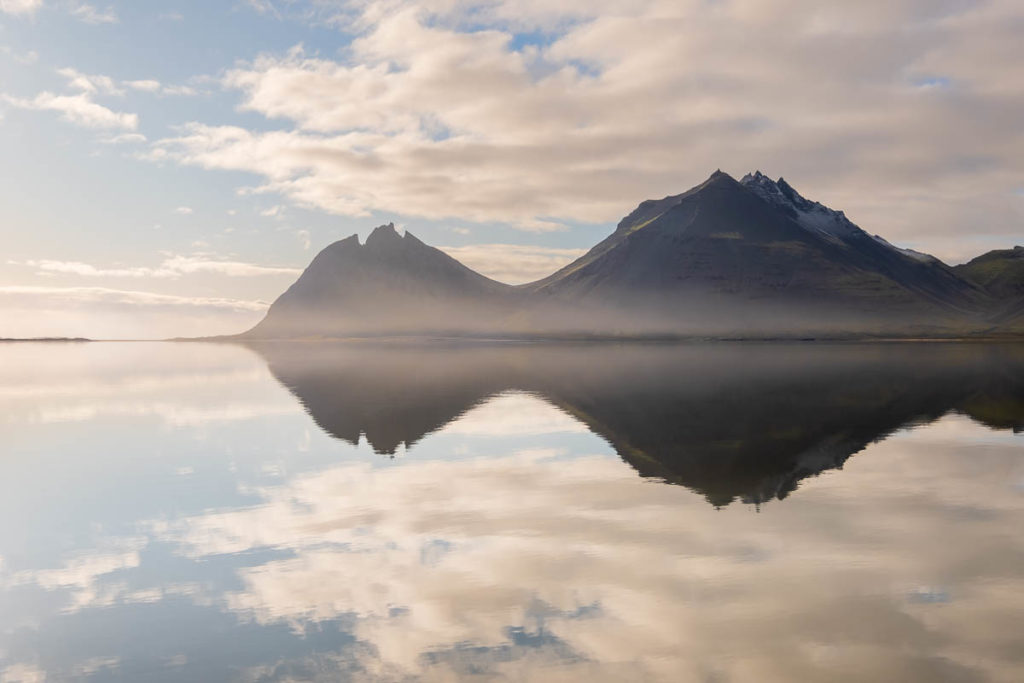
(91, 15)
(90, 83)
(304, 239)
(192, 264)
(435, 111)
(30, 57)
(171, 267)
(20, 6)
(183, 210)
(151, 85)
(263, 7)
(78, 109)
(81, 109)
(22, 672)
(128, 298)
(178, 90)
(145, 85)
(98, 312)
(125, 138)
(513, 263)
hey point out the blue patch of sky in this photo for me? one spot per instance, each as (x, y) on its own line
(588, 69)
(537, 38)
(940, 82)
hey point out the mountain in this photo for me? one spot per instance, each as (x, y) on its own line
(392, 284)
(1001, 274)
(755, 256)
(737, 259)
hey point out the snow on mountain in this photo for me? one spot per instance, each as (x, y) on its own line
(813, 216)
(916, 255)
(817, 217)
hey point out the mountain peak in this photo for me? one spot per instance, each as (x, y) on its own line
(811, 215)
(383, 235)
(719, 176)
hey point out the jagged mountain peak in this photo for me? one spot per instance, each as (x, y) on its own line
(813, 216)
(817, 217)
(382, 239)
(383, 235)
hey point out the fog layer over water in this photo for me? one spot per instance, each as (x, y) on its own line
(389, 512)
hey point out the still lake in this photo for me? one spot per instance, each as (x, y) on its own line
(515, 512)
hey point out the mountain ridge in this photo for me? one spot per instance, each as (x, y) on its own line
(743, 259)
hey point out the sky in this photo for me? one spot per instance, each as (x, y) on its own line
(169, 168)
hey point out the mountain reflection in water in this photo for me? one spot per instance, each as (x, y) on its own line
(731, 422)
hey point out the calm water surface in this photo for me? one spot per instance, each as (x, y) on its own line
(317, 512)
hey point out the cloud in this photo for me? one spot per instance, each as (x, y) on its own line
(20, 6)
(183, 210)
(98, 312)
(30, 57)
(81, 109)
(171, 267)
(91, 15)
(193, 264)
(146, 85)
(441, 110)
(182, 90)
(265, 7)
(128, 298)
(22, 672)
(124, 138)
(304, 239)
(90, 83)
(154, 86)
(78, 109)
(513, 263)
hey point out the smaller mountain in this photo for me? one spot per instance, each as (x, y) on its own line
(1001, 274)
(392, 284)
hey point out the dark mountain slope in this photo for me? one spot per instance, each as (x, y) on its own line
(917, 272)
(728, 252)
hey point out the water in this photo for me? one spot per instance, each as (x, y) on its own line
(294, 512)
